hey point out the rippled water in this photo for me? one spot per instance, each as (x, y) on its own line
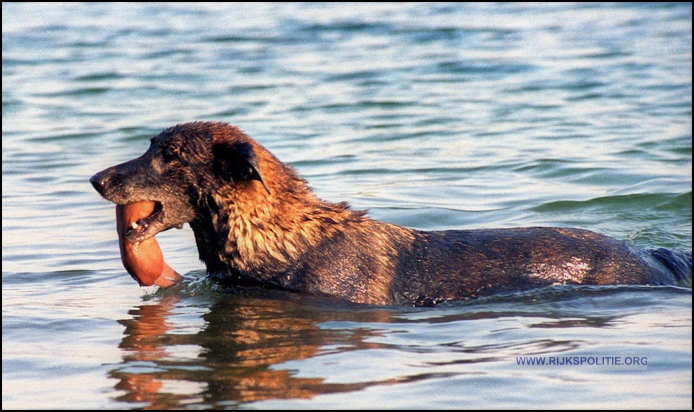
(436, 116)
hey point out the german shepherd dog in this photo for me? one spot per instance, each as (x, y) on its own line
(256, 221)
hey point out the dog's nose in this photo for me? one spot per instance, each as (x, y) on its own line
(98, 181)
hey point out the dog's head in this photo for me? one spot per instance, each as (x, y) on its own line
(184, 166)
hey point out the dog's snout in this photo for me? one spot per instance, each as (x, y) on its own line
(99, 181)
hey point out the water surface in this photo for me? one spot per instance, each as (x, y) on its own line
(443, 116)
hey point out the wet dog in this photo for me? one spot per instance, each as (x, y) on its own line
(255, 220)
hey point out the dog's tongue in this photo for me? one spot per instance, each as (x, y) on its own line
(144, 260)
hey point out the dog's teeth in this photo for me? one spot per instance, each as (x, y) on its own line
(134, 225)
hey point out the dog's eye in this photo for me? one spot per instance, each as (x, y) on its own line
(168, 153)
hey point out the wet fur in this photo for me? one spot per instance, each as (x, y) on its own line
(255, 220)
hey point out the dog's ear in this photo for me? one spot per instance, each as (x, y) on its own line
(237, 162)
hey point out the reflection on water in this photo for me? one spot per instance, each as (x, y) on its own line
(234, 352)
(260, 346)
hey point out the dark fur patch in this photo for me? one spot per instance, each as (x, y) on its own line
(255, 220)
(236, 162)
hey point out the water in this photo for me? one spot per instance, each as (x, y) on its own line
(431, 116)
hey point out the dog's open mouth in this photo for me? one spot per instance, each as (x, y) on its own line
(146, 227)
(142, 220)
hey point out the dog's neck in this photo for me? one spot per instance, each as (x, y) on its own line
(260, 234)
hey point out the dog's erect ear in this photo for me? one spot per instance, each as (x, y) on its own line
(237, 162)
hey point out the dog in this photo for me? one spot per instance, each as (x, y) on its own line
(256, 221)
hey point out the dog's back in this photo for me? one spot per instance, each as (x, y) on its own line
(471, 263)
